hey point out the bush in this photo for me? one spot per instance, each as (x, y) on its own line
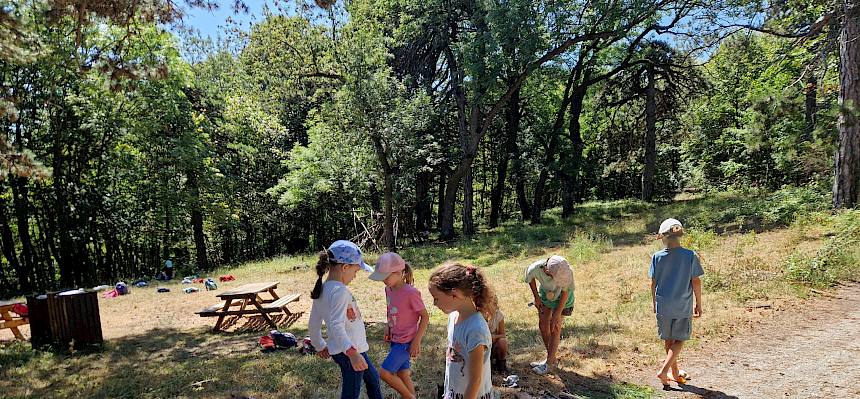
(836, 260)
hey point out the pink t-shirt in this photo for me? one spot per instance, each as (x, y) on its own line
(404, 308)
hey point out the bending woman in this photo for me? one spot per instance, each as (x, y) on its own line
(553, 300)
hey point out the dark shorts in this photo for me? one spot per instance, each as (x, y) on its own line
(674, 329)
(397, 359)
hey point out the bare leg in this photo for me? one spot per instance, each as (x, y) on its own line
(406, 377)
(552, 349)
(668, 344)
(500, 348)
(671, 356)
(394, 381)
(543, 325)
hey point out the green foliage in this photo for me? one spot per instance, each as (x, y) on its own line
(837, 260)
(751, 128)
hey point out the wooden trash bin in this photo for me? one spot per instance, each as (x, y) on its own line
(40, 325)
(74, 319)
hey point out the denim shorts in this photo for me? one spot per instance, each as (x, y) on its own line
(674, 329)
(397, 359)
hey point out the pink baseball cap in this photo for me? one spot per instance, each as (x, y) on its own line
(388, 263)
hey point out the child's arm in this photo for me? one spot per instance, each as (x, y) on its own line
(697, 291)
(415, 346)
(653, 295)
(315, 331)
(476, 371)
(538, 303)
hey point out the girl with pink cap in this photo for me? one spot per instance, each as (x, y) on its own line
(407, 322)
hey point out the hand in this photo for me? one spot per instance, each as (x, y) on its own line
(697, 312)
(386, 335)
(323, 354)
(414, 349)
(357, 361)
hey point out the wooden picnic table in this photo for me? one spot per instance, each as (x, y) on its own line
(249, 300)
(11, 322)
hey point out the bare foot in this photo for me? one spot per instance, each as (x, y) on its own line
(664, 379)
(680, 379)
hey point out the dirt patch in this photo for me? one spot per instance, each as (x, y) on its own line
(811, 351)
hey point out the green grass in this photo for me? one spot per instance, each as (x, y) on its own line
(754, 246)
(836, 260)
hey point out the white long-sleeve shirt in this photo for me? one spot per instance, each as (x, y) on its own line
(344, 324)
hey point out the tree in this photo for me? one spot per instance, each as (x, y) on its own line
(846, 183)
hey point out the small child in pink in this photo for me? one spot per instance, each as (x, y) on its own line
(407, 322)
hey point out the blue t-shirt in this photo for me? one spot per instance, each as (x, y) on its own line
(673, 270)
(463, 338)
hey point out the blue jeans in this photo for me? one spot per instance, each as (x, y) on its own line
(352, 379)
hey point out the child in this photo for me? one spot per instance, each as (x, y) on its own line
(334, 304)
(407, 322)
(553, 300)
(464, 294)
(675, 281)
(499, 354)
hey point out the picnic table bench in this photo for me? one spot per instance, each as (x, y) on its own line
(249, 301)
(10, 321)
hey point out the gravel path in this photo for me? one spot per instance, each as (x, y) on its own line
(811, 353)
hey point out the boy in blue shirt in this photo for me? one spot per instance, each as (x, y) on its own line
(674, 275)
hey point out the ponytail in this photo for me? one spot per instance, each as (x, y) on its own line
(408, 276)
(323, 266)
(471, 281)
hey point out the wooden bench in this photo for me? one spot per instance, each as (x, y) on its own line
(283, 302)
(247, 298)
(217, 309)
(7, 320)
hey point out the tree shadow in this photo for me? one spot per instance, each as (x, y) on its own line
(562, 381)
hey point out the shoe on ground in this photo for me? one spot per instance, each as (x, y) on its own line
(541, 369)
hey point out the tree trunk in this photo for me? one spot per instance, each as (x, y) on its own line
(538, 194)
(650, 163)
(423, 204)
(811, 108)
(440, 196)
(512, 127)
(388, 218)
(468, 202)
(8, 242)
(197, 222)
(847, 173)
(387, 193)
(574, 159)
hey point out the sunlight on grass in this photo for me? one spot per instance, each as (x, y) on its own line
(172, 354)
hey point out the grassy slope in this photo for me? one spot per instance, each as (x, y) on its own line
(610, 334)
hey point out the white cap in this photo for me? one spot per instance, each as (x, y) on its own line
(559, 269)
(667, 225)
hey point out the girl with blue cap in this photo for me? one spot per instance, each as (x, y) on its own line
(335, 305)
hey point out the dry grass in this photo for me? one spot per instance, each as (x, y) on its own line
(157, 347)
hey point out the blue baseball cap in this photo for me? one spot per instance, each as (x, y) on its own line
(347, 252)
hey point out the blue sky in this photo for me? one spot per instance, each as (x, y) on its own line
(212, 23)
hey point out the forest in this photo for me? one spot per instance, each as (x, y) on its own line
(128, 139)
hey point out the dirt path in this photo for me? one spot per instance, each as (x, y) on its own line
(810, 353)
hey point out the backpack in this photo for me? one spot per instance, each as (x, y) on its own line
(210, 284)
(283, 340)
(121, 288)
(267, 343)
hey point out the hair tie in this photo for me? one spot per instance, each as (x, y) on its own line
(470, 270)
